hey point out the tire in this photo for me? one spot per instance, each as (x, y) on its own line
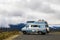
(41, 33)
(24, 32)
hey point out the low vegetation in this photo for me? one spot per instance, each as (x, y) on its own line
(4, 35)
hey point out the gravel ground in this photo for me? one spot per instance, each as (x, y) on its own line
(50, 36)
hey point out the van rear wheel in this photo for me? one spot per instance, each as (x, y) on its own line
(41, 33)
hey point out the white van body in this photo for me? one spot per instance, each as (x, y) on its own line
(40, 27)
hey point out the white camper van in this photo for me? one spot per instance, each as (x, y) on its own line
(39, 27)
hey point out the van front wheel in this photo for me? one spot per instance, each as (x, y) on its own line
(24, 32)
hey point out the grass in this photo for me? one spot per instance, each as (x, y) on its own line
(7, 34)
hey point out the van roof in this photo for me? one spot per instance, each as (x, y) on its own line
(36, 22)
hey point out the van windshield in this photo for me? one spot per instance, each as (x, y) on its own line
(27, 25)
(46, 24)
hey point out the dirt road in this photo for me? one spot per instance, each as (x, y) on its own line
(50, 36)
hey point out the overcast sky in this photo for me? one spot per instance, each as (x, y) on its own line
(17, 11)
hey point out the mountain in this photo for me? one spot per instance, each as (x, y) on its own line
(13, 27)
(17, 26)
(54, 28)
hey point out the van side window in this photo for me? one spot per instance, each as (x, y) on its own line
(35, 26)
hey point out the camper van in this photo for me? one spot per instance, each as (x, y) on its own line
(39, 27)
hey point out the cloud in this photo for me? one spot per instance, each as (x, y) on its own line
(54, 1)
(17, 11)
(46, 7)
(42, 6)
